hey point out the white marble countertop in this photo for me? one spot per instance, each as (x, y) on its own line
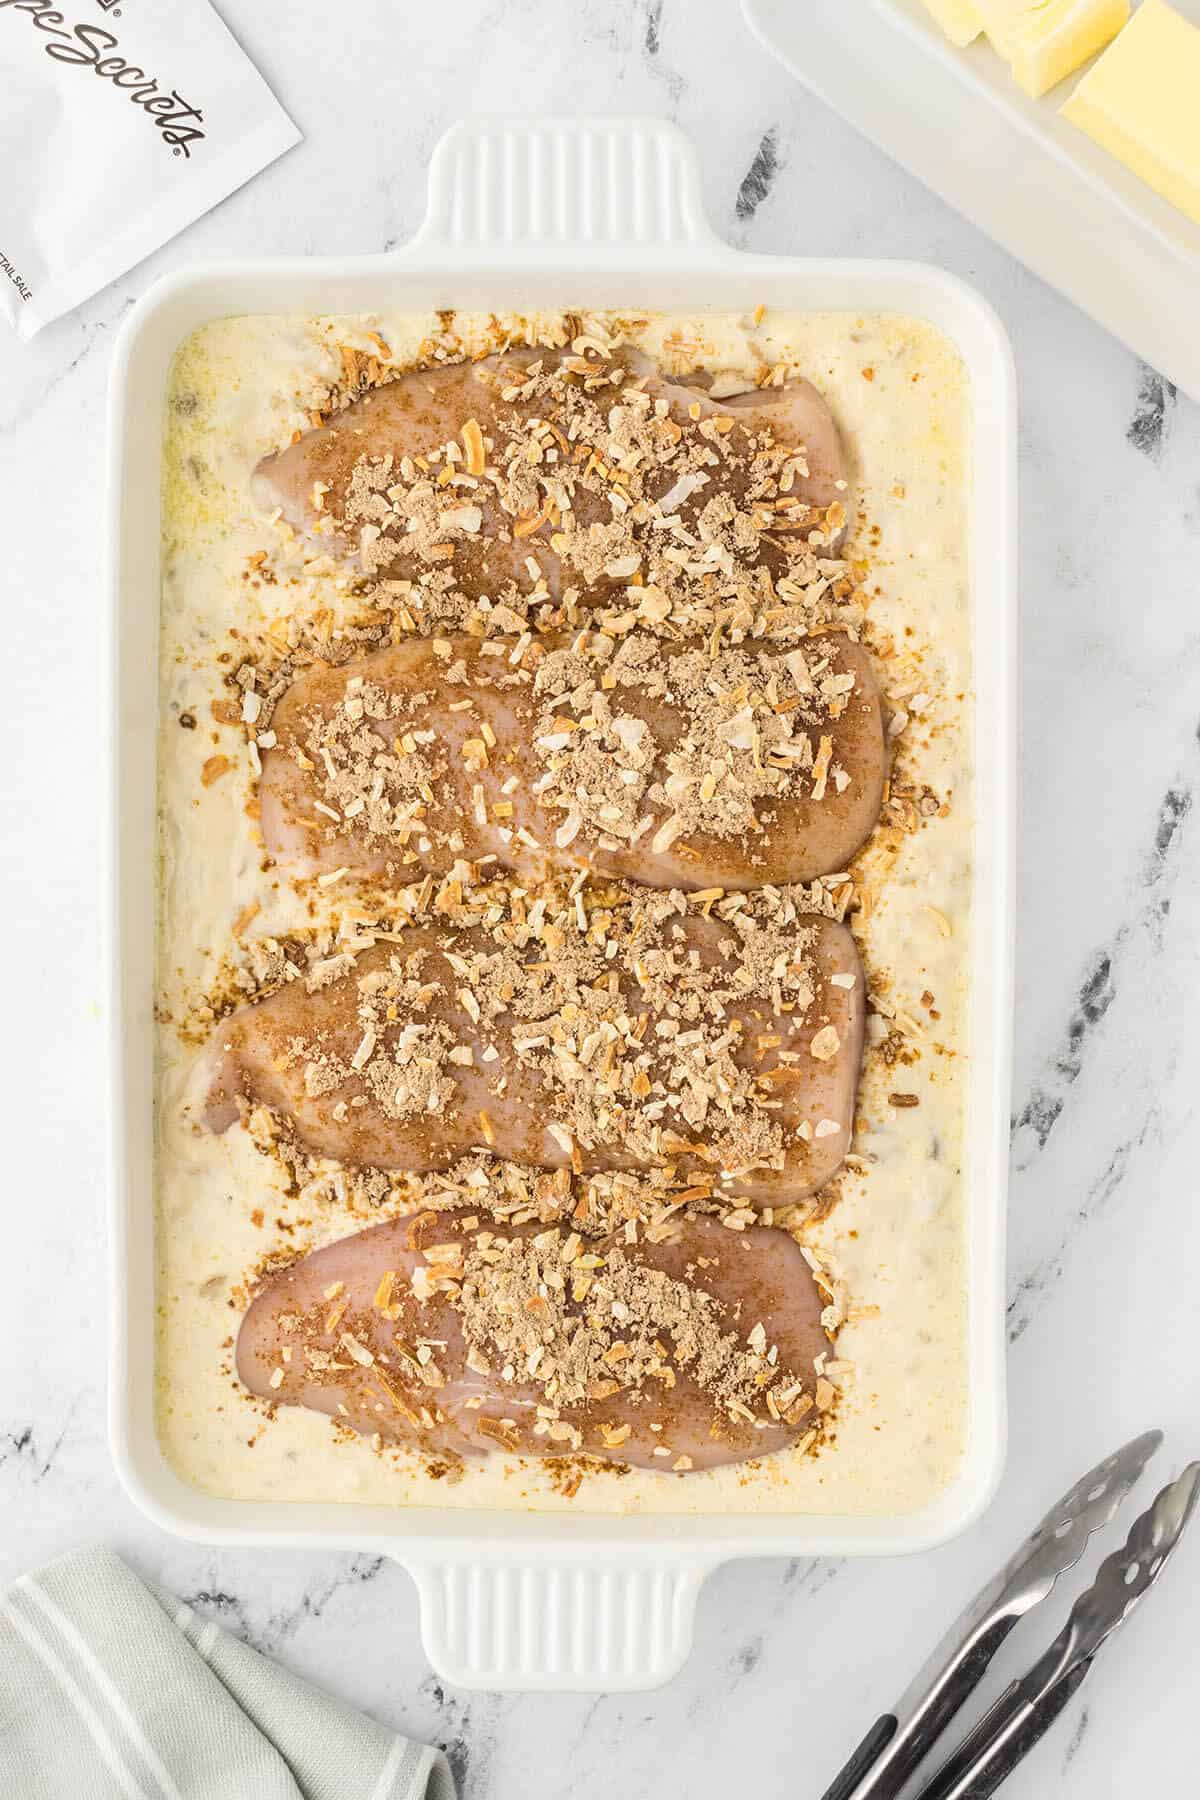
(791, 1661)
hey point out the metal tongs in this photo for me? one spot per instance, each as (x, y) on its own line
(902, 1738)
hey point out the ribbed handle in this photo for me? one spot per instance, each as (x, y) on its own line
(590, 185)
(557, 1626)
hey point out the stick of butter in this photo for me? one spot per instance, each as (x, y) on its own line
(1044, 41)
(1141, 103)
(959, 19)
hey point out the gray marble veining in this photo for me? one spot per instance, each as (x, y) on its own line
(791, 1660)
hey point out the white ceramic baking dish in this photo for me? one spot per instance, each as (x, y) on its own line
(526, 215)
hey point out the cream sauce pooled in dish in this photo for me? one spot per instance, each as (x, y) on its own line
(891, 1241)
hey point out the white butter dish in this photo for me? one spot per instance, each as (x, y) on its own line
(958, 121)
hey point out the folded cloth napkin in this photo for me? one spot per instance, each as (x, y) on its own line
(111, 1690)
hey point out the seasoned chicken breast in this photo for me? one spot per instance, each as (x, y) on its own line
(671, 765)
(722, 1044)
(538, 471)
(443, 1334)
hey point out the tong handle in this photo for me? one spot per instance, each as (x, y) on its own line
(1022, 1741)
(863, 1760)
(1001, 1739)
(885, 1759)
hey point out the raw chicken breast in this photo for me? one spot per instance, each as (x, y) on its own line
(454, 476)
(438, 1333)
(724, 1048)
(670, 765)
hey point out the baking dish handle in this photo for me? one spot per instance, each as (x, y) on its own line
(589, 188)
(527, 1623)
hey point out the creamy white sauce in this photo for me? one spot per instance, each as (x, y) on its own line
(239, 389)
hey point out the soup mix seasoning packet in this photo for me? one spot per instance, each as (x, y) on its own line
(122, 121)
